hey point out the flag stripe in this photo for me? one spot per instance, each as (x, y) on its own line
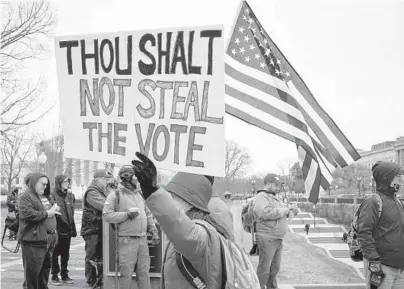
(308, 97)
(268, 83)
(262, 91)
(273, 121)
(239, 111)
(315, 188)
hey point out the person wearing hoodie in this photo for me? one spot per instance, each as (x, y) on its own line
(37, 231)
(134, 221)
(177, 208)
(91, 222)
(271, 226)
(382, 238)
(66, 228)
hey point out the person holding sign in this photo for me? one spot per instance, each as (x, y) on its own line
(199, 248)
(127, 209)
(37, 231)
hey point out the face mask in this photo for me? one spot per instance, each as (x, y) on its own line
(394, 188)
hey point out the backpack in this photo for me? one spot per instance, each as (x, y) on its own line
(247, 216)
(355, 250)
(237, 270)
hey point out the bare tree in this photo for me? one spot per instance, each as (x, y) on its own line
(25, 24)
(15, 151)
(237, 161)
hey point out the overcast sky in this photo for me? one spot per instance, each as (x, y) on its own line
(349, 52)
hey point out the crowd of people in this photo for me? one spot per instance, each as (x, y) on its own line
(196, 222)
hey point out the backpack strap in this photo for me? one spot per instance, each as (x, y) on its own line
(191, 274)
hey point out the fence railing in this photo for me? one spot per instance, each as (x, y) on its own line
(355, 201)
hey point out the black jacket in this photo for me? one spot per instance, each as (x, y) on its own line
(91, 222)
(12, 201)
(65, 222)
(383, 238)
(33, 215)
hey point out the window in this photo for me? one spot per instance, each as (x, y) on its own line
(2, 180)
(17, 181)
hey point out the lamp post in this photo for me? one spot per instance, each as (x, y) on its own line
(42, 161)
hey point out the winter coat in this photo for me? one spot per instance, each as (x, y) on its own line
(91, 222)
(221, 213)
(189, 239)
(65, 222)
(139, 225)
(270, 221)
(383, 238)
(12, 201)
(33, 217)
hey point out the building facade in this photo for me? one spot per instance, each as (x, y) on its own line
(390, 151)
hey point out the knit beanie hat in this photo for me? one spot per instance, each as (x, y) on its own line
(271, 178)
(194, 189)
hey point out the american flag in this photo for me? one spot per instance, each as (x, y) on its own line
(264, 90)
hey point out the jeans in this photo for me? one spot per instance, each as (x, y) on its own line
(270, 255)
(394, 277)
(37, 264)
(134, 253)
(62, 249)
(93, 248)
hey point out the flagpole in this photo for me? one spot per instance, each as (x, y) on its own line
(234, 25)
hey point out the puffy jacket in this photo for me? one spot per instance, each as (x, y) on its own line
(383, 238)
(221, 213)
(33, 220)
(65, 222)
(91, 222)
(188, 238)
(138, 226)
(270, 221)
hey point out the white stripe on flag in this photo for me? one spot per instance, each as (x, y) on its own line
(321, 124)
(265, 97)
(268, 118)
(311, 174)
(261, 76)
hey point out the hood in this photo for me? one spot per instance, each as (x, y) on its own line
(125, 190)
(194, 189)
(58, 183)
(383, 174)
(95, 184)
(34, 179)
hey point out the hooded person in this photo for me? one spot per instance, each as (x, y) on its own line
(37, 231)
(382, 238)
(66, 228)
(127, 209)
(180, 209)
(91, 222)
(271, 226)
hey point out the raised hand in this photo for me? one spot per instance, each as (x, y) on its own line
(146, 174)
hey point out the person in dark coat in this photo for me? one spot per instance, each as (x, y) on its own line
(11, 205)
(91, 222)
(66, 228)
(37, 231)
(382, 237)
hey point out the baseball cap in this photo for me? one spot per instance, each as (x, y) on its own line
(103, 174)
(272, 178)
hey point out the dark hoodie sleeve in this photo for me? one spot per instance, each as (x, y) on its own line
(367, 222)
(28, 212)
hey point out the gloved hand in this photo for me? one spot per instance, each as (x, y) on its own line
(146, 174)
(155, 239)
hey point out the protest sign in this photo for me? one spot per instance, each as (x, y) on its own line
(160, 92)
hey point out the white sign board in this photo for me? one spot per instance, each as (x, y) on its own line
(160, 92)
